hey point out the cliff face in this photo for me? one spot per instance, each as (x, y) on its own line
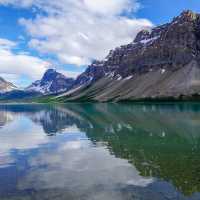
(161, 63)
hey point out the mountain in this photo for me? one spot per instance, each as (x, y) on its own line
(6, 86)
(9, 92)
(161, 63)
(19, 95)
(51, 83)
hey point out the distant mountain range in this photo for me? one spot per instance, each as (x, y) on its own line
(52, 83)
(6, 86)
(161, 63)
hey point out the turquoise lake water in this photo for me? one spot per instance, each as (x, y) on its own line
(100, 152)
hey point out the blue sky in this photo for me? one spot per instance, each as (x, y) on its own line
(68, 35)
(162, 11)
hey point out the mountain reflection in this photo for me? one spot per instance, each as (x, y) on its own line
(5, 118)
(160, 141)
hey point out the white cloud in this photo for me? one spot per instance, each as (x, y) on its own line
(68, 73)
(6, 44)
(110, 7)
(82, 30)
(11, 136)
(13, 65)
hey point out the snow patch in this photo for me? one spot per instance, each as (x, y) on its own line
(37, 87)
(119, 77)
(163, 71)
(110, 74)
(129, 77)
(69, 92)
(146, 41)
(151, 70)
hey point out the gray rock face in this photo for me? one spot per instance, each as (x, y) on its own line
(6, 86)
(52, 82)
(163, 62)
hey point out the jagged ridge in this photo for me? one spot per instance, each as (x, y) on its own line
(52, 82)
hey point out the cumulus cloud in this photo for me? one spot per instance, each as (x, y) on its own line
(13, 65)
(7, 44)
(68, 73)
(111, 7)
(82, 30)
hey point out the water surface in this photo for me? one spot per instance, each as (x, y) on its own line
(100, 152)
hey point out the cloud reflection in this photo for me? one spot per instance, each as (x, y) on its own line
(101, 151)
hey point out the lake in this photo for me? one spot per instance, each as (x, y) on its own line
(100, 152)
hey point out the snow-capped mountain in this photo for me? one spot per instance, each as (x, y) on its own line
(51, 83)
(6, 86)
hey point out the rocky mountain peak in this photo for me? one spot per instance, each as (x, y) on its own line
(186, 16)
(167, 46)
(50, 71)
(142, 35)
(170, 45)
(52, 82)
(6, 86)
(51, 74)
